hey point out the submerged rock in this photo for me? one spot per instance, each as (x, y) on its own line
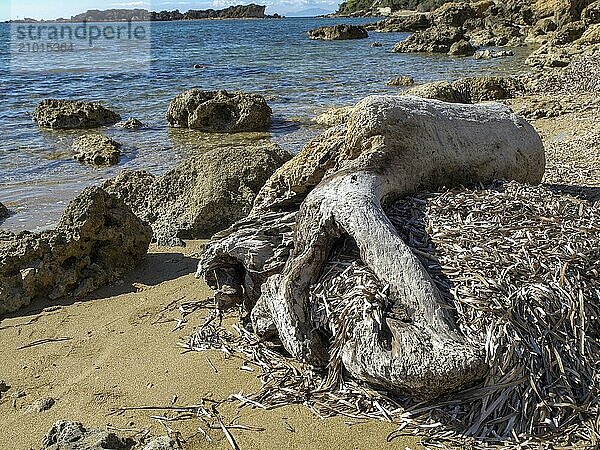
(66, 435)
(97, 150)
(219, 111)
(491, 54)
(97, 240)
(338, 32)
(402, 80)
(69, 114)
(130, 124)
(469, 90)
(204, 195)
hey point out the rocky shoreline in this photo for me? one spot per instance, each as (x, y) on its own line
(251, 11)
(106, 231)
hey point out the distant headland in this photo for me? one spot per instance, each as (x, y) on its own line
(251, 11)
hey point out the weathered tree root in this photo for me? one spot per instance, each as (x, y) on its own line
(339, 185)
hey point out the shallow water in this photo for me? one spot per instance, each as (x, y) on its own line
(299, 77)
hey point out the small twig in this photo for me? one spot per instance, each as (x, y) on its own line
(44, 341)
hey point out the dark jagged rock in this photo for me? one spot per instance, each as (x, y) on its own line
(591, 14)
(338, 32)
(97, 150)
(66, 435)
(462, 48)
(4, 212)
(97, 240)
(69, 114)
(202, 196)
(219, 111)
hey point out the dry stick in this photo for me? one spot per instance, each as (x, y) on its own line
(228, 435)
(44, 341)
(211, 364)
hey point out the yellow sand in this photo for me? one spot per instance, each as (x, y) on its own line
(121, 351)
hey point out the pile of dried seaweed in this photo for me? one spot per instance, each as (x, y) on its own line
(521, 265)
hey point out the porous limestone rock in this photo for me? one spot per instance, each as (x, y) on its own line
(219, 111)
(338, 33)
(203, 195)
(69, 114)
(97, 240)
(97, 150)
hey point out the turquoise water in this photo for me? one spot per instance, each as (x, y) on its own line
(299, 77)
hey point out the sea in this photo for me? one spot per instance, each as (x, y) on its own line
(139, 71)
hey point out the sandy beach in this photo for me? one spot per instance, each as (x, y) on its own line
(118, 349)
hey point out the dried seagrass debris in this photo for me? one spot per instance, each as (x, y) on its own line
(520, 266)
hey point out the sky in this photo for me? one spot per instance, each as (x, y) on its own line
(53, 9)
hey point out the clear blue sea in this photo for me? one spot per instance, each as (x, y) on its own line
(299, 77)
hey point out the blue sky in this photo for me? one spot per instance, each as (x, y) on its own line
(52, 9)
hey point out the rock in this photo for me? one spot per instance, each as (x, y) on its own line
(453, 14)
(41, 405)
(469, 90)
(65, 435)
(591, 14)
(338, 32)
(202, 196)
(487, 88)
(439, 90)
(130, 124)
(334, 116)
(69, 114)
(4, 212)
(4, 387)
(400, 24)
(437, 39)
(569, 33)
(97, 150)
(481, 7)
(219, 111)
(462, 48)
(161, 443)
(549, 55)
(376, 44)
(402, 80)
(97, 240)
(591, 35)
(490, 54)
(543, 26)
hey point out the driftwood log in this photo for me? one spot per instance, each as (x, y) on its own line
(337, 189)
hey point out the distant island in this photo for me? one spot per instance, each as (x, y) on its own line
(251, 11)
